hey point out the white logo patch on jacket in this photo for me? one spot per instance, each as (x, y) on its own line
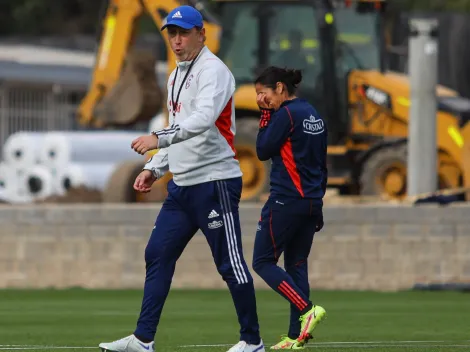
(313, 126)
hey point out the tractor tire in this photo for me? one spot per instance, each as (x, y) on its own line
(159, 191)
(119, 188)
(255, 172)
(120, 185)
(384, 173)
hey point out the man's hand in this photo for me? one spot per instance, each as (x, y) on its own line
(145, 143)
(144, 181)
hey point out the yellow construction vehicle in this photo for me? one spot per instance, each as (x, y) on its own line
(340, 46)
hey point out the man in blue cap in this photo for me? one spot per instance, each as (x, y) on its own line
(205, 191)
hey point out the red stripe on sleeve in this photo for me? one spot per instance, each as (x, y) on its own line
(224, 124)
(287, 156)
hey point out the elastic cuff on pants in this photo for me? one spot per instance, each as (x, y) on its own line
(143, 336)
(306, 309)
(251, 340)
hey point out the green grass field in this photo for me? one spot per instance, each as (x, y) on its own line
(50, 320)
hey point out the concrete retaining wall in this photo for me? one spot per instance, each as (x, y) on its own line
(361, 247)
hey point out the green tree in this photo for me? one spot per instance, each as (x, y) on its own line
(68, 17)
(433, 5)
(49, 17)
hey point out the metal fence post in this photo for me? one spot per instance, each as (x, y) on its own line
(422, 152)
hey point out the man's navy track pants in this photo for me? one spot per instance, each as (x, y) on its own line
(213, 208)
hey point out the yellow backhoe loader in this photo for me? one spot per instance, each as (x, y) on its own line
(340, 46)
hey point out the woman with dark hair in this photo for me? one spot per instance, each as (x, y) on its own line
(294, 137)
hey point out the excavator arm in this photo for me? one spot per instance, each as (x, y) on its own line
(118, 31)
(123, 88)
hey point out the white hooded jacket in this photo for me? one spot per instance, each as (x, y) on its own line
(198, 146)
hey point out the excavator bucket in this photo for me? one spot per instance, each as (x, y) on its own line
(135, 97)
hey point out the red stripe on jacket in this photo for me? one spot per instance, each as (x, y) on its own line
(287, 155)
(224, 124)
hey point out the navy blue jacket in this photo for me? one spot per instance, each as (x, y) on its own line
(295, 138)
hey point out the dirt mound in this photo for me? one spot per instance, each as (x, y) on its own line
(76, 195)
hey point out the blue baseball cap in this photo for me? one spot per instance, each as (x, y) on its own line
(185, 17)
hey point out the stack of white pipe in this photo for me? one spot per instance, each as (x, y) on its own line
(38, 182)
(7, 183)
(62, 148)
(21, 149)
(90, 175)
(37, 165)
(86, 158)
(20, 154)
